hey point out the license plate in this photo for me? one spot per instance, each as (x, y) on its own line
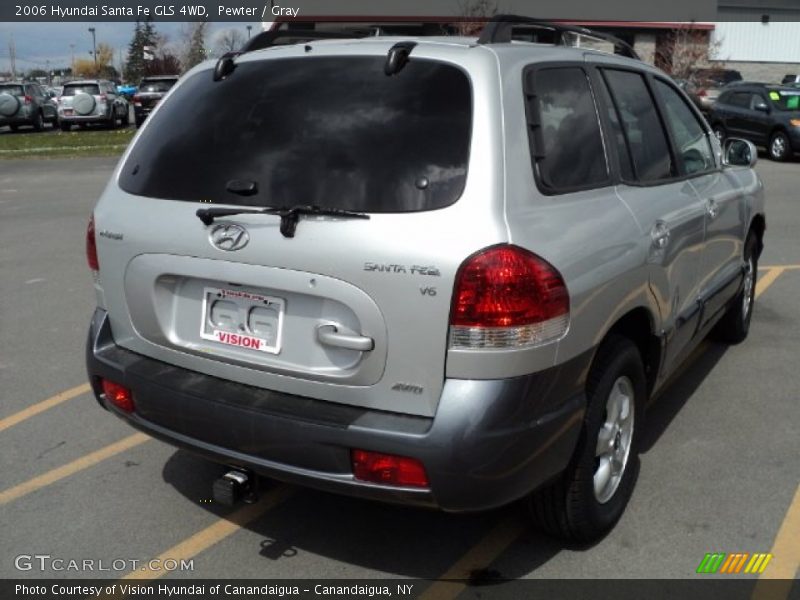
(67, 112)
(242, 319)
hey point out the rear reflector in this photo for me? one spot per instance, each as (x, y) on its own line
(387, 469)
(91, 247)
(507, 297)
(118, 395)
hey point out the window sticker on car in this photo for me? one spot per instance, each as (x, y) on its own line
(793, 102)
(775, 95)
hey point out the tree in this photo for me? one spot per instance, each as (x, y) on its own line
(194, 45)
(685, 49)
(144, 34)
(229, 40)
(482, 10)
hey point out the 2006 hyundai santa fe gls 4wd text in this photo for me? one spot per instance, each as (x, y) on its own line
(438, 271)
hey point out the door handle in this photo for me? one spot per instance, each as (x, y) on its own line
(712, 208)
(329, 335)
(660, 235)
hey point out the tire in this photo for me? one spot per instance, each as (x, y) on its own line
(14, 128)
(38, 122)
(734, 326)
(126, 119)
(719, 131)
(780, 148)
(579, 506)
(139, 122)
(65, 126)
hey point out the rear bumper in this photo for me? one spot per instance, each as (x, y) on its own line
(490, 443)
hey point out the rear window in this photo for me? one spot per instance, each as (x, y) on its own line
(329, 131)
(14, 90)
(161, 85)
(71, 90)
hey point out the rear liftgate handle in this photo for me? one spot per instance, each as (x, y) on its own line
(330, 336)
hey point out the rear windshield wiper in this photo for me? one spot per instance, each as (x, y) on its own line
(289, 214)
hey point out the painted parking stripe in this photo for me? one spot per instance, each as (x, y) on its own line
(767, 280)
(44, 405)
(84, 462)
(785, 562)
(216, 532)
(453, 581)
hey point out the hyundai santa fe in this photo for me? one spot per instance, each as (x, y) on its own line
(439, 271)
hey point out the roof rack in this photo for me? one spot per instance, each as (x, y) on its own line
(267, 39)
(500, 29)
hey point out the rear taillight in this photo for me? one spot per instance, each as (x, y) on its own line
(137, 101)
(118, 395)
(702, 93)
(103, 98)
(388, 469)
(28, 99)
(507, 297)
(91, 247)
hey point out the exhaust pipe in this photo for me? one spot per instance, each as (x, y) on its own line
(237, 485)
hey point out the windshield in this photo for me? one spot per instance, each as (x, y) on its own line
(330, 131)
(89, 88)
(785, 99)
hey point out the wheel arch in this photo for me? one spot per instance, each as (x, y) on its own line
(638, 325)
(759, 226)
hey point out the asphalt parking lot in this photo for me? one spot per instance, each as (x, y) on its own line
(719, 471)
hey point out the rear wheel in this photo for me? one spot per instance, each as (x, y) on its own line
(38, 122)
(14, 127)
(591, 495)
(735, 325)
(65, 126)
(779, 146)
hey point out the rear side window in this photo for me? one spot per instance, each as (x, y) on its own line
(91, 88)
(690, 137)
(567, 144)
(646, 139)
(740, 99)
(336, 132)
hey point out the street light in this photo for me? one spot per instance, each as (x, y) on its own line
(94, 44)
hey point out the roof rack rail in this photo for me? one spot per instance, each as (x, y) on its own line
(267, 39)
(500, 28)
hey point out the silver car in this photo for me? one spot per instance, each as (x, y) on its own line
(446, 272)
(92, 101)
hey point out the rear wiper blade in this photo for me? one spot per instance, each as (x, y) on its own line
(289, 215)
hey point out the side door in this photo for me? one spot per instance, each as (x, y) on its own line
(662, 200)
(760, 118)
(738, 121)
(721, 262)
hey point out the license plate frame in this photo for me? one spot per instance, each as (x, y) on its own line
(241, 336)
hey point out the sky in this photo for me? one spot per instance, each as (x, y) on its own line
(37, 43)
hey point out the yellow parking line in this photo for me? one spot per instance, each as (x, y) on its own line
(84, 462)
(767, 280)
(43, 406)
(453, 581)
(789, 267)
(785, 557)
(215, 533)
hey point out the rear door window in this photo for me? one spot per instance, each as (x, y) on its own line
(160, 85)
(567, 142)
(336, 132)
(644, 134)
(13, 90)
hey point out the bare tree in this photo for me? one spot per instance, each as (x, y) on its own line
(684, 50)
(481, 10)
(229, 40)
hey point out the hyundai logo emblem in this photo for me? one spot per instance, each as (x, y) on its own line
(229, 237)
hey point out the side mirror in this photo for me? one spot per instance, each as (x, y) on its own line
(762, 106)
(739, 153)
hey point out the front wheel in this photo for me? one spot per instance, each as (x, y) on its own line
(779, 146)
(735, 325)
(591, 495)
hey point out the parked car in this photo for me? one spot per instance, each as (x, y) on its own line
(790, 79)
(445, 275)
(128, 90)
(151, 91)
(767, 115)
(24, 103)
(710, 82)
(690, 89)
(91, 101)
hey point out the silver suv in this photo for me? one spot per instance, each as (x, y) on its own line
(446, 272)
(92, 101)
